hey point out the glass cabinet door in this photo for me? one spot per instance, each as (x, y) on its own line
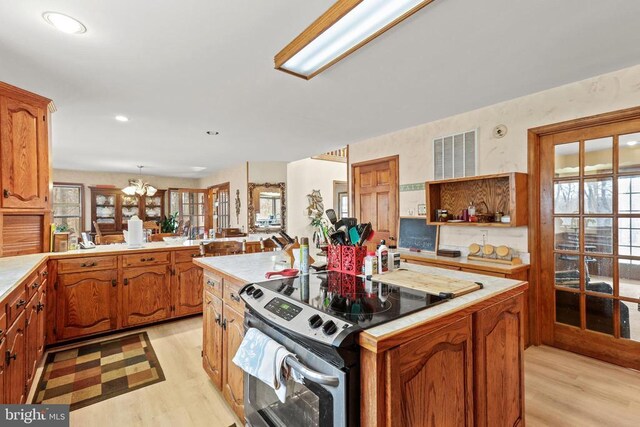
(105, 211)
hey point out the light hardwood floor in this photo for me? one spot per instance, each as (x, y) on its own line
(562, 389)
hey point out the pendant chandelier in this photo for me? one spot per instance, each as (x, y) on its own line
(139, 187)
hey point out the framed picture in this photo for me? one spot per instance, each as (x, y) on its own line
(422, 209)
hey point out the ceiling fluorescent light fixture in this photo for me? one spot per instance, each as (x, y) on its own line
(122, 118)
(64, 23)
(341, 30)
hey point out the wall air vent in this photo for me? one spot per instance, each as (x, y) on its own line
(455, 156)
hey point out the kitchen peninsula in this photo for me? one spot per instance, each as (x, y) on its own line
(455, 363)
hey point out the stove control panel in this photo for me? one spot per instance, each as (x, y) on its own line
(292, 315)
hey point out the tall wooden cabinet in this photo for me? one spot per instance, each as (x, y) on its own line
(111, 208)
(25, 170)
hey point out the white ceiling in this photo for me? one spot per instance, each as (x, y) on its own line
(179, 68)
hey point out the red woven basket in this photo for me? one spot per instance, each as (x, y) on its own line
(353, 259)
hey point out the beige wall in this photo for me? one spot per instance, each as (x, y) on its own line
(236, 176)
(609, 92)
(302, 177)
(271, 172)
(119, 180)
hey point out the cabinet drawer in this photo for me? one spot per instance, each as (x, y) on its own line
(213, 283)
(33, 285)
(232, 296)
(187, 256)
(16, 304)
(87, 264)
(144, 259)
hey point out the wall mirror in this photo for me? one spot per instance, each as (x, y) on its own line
(266, 208)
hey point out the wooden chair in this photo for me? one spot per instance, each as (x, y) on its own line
(151, 225)
(159, 236)
(221, 248)
(108, 239)
(269, 246)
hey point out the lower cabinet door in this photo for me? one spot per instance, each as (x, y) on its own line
(146, 295)
(42, 322)
(15, 384)
(31, 338)
(212, 338)
(3, 361)
(86, 303)
(430, 379)
(188, 289)
(499, 364)
(233, 376)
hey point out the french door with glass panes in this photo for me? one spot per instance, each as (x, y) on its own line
(590, 241)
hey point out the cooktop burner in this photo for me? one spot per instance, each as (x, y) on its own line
(352, 299)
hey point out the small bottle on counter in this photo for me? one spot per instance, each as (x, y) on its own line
(383, 257)
(304, 255)
(370, 266)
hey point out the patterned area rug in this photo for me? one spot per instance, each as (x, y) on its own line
(94, 372)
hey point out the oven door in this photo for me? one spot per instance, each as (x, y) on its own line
(320, 401)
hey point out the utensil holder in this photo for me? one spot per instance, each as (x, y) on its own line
(334, 257)
(353, 259)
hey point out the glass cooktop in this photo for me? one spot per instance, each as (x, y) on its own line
(353, 299)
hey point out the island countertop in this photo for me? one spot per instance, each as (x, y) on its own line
(252, 268)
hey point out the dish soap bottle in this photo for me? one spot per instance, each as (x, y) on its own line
(383, 257)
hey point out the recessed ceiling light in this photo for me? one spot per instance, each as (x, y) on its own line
(64, 23)
(122, 118)
(632, 143)
(213, 132)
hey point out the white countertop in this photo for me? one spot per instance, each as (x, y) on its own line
(15, 269)
(252, 267)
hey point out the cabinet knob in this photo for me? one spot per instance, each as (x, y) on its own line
(45, 273)
(224, 324)
(218, 319)
(35, 285)
(114, 282)
(10, 357)
(39, 307)
(235, 297)
(21, 303)
(126, 282)
(6, 193)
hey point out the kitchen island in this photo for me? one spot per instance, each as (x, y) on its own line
(456, 363)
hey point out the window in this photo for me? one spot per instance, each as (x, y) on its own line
(68, 209)
(191, 208)
(343, 201)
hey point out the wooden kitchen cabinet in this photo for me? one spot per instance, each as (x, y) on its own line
(15, 384)
(498, 345)
(232, 375)
(25, 172)
(86, 303)
(212, 338)
(3, 361)
(223, 331)
(31, 339)
(146, 295)
(187, 290)
(24, 160)
(430, 378)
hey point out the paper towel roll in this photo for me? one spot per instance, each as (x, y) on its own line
(135, 232)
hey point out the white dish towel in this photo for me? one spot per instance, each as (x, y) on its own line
(262, 357)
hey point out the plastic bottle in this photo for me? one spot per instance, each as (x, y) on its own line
(383, 257)
(370, 266)
(304, 255)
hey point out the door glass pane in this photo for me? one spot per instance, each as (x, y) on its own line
(598, 196)
(567, 273)
(629, 149)
(629, 195)
(566, 197)
(630, 320)
(568, 308)
(598, 156)
(599, 314)
(599, 274)
(567, 160)
(629, 271)
(598, 235)
(566, 233)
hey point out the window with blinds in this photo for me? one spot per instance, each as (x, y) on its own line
(454, 156)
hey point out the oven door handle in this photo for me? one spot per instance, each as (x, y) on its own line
(309, 374)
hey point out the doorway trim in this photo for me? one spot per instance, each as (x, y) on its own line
(541, 329)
